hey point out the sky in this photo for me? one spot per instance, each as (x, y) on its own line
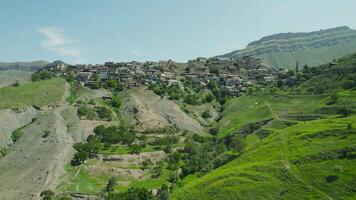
(95, 31)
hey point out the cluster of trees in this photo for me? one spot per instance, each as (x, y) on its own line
(173, 91)
(85, 150)
(202, 154)
(122, 134)
(220, 92)
(114, 85)
(101, 112)
(42, 75)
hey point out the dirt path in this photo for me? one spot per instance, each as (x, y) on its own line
(271, 110)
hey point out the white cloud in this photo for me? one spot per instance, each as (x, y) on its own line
(55, 41)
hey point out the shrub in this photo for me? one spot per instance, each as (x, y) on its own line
(333, 99)
(46, 134)
(116, 101)
(104, 113)
(206, 114)
(47, 195)
(191, 99)
(16, 84)
(86, 112)
(213, 131)
(110, 185)
(16, 134)
(208, 98)
(331, 178)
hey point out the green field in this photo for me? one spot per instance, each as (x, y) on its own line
(280, 167)
(38, 93)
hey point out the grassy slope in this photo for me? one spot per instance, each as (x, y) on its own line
(254, 108)
(268, 168)
(36, 93)
(294, 161)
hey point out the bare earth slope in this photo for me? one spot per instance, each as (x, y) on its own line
(36, 162)
(11, 120)
(150, 111)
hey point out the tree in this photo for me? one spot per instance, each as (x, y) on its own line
(111, 184)
(47, 194)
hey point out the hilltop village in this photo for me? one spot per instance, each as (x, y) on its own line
(235, 74)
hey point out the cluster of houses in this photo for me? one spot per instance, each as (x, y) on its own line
(235, 74)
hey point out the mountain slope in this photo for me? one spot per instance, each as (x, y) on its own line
(313, 48)
(297, 145)
(25, 66)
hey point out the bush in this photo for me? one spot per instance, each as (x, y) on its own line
(110, 185)
(213, 131)
(331, 178)
(16, 134)
(344, 111)
(208, 98)
(46, 134)
(116, 101)
(47, 195)
(333, 99)
(104, 113)
(86, 112)
(191, 99)
(206, 114)
(16, 84)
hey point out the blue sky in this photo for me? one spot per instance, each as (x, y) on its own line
(93, 31)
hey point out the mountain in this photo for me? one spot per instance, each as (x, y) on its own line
(25, 66)
(314, 48)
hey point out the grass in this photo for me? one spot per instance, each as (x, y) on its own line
(80, 181)
(38, 93)
(254, 108)
(272, 168)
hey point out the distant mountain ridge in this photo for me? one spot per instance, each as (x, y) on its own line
(27, 66)
(312, 48)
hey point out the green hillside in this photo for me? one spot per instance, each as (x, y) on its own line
(314, 48)
(35, 93)
(299, 144)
